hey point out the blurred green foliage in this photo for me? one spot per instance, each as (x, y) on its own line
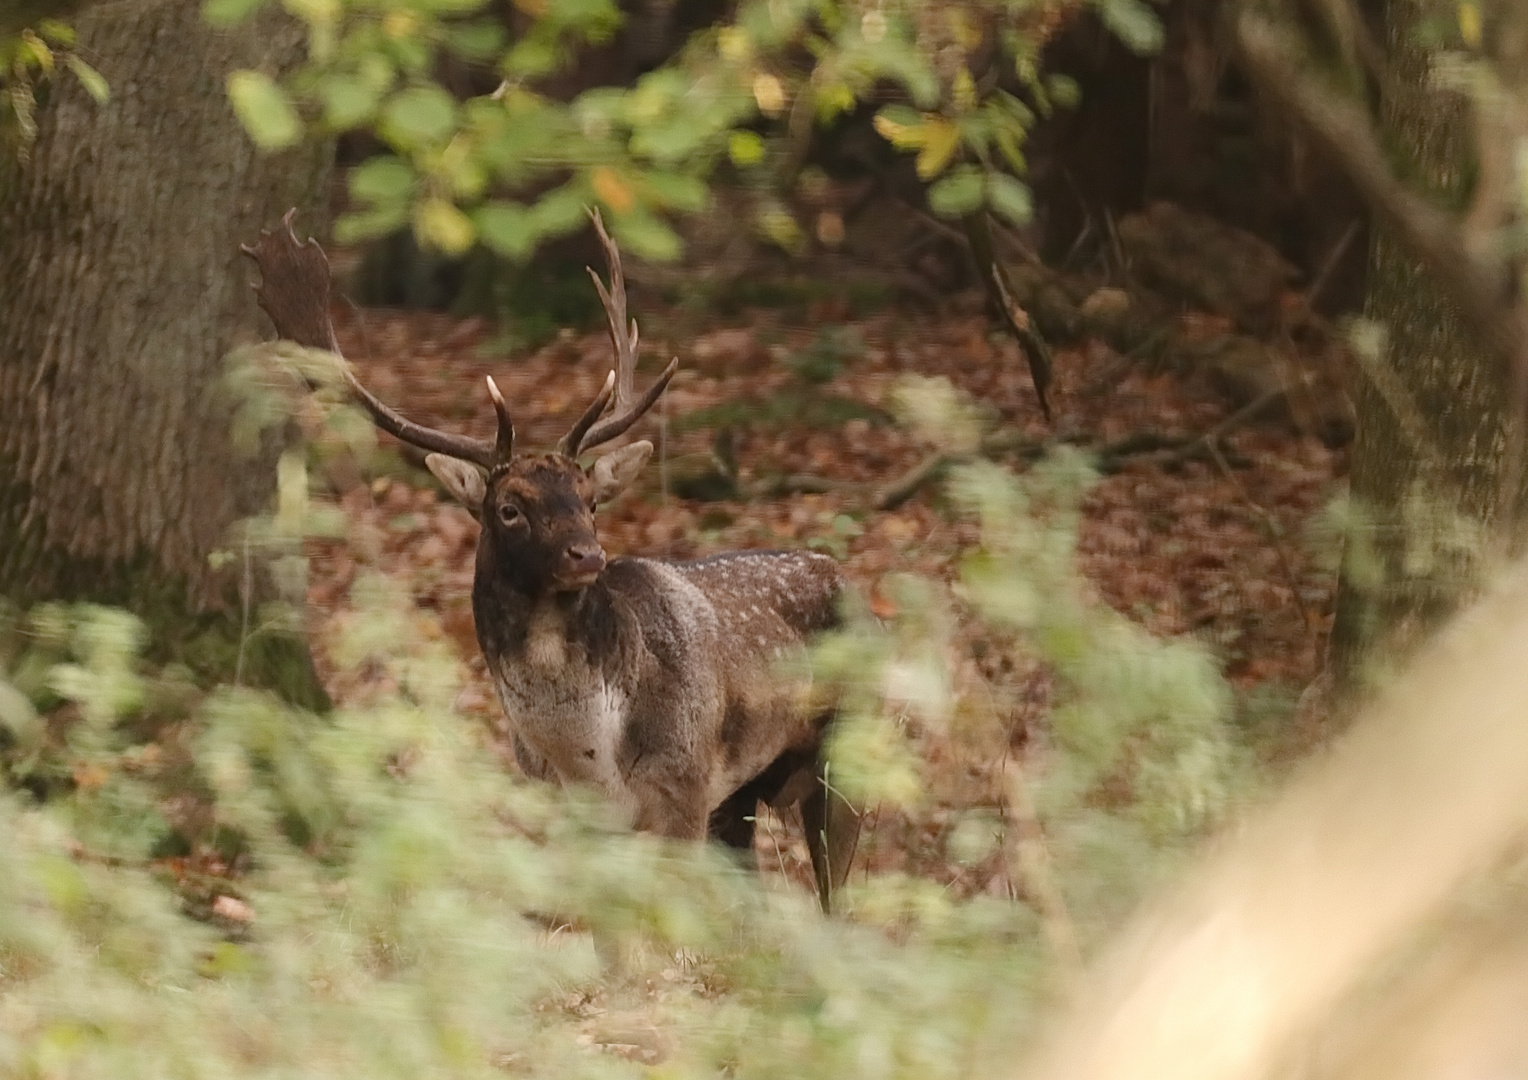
(29, 59)
(513, 167)
(214, 883)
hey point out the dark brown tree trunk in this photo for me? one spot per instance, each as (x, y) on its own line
(1417, 479)
(121, 295)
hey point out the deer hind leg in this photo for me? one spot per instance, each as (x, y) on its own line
(832, 833)
(732, 823)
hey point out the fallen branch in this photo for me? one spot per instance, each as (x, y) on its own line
(1478, 283)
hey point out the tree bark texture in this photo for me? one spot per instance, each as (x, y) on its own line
(1414, 489)
(121, 295)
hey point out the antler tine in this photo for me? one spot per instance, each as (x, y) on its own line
(569, 445)
(623, 330)
(294, 291)
(613, 426)
(504, 442)
(624, 338)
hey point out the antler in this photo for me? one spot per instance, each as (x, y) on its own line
(294, 291)
(619, 386)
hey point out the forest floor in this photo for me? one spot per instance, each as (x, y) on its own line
(1221, 547)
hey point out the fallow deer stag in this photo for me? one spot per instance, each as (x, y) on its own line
(658, 681)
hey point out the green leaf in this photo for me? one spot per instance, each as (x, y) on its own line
(646, 236)
(1133, 22)
(349, 101)
(383, 179)
(263, 109)
(532, 57)
(562, 210)
(507, 228)
(420, 115)
(89, 77)
(451, 7)
(958, 193)
(1010, 198)
(745, 148)
(678, 191)
(59, 33)
(228, 12)
(482, 41)
(1063, 90)
(1007, 141)
(371, 223)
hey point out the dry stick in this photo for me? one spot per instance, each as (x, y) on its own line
(1329, 264)
(1006, 440)
(1275, 536)
(1210, 440)
(1030, 858)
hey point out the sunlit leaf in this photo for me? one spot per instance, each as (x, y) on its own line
(939, 139)
(59, 33)
(1133, 22)
(611, 189)
(745, 148)
(264, 110)
(769, 92)
(89, 77)
(441, 225)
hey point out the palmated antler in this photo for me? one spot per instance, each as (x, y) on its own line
(620, 385)
(294, 291)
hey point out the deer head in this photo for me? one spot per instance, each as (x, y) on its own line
(536, 510)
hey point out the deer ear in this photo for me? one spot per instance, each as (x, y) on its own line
(463, 480)
(617, 469)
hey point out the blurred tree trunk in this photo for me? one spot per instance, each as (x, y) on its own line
(1416, 486)
(121, 294)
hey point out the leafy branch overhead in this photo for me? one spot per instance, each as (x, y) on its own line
(959, 85)
(33, 46)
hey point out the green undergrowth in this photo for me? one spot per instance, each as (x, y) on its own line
(220, 883)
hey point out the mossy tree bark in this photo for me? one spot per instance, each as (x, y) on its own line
(121, 295)
(1430, 452)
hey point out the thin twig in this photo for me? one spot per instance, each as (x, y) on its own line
(1275, 534)
(1030, 861)
(246, 593)
(1329, 264)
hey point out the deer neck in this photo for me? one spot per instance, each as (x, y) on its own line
(539, 627)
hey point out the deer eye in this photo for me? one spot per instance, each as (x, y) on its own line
(509, 513)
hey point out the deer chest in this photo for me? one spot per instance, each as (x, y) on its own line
(569, 716)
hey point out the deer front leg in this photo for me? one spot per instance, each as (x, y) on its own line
(671, 803)
(531, 763)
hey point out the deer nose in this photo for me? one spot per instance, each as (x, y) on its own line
(585, 558)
